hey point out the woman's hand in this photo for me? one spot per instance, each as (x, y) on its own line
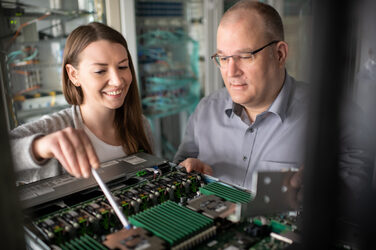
(197, 165)
(71, 147)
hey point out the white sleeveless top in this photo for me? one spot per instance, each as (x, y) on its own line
(105, 152)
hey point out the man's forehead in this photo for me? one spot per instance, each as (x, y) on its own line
(239, 24)
(239, 39)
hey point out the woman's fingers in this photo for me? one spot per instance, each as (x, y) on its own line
(58, 154)
(71, 147)
(93, 160)
(71, 150)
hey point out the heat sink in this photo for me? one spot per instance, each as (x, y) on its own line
(226, 192)
(175, 224)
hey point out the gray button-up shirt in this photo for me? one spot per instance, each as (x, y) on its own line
(220, 134)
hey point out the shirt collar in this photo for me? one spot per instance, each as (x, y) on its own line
(229, 105)
(278, 107)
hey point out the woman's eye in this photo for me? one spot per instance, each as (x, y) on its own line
(99, 72)
(123, 67)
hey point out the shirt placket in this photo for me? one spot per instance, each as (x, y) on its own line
(247, 150)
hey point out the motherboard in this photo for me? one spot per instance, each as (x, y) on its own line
(167, 207)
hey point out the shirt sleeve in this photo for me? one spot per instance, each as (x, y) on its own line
(26, 166)
(189, 146)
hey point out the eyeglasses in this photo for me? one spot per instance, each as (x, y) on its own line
(243, 58)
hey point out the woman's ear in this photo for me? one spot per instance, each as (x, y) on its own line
(72, 74)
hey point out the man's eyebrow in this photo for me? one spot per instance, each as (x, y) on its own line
(105, 64)
(245, 50)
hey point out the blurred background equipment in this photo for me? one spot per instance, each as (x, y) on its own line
(11, 233)
(170, 76)
(32, 41)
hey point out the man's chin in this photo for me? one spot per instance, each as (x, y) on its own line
(240, 99)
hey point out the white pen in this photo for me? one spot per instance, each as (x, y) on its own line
(111, 199)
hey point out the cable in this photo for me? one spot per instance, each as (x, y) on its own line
(12, 56)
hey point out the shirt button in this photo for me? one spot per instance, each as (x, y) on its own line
(244, 158)
(251, 130)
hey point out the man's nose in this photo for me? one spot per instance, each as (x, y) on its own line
(233, 68)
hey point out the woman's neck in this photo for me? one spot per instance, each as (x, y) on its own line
(101, 124)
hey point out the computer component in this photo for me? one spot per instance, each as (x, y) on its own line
(226, 192)
(212, 206)
(181, 227)
(135, 238)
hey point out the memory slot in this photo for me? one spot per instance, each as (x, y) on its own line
(173, 223)
(83, 242)
(226, 192)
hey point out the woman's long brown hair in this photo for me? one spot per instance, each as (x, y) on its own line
(128, 118)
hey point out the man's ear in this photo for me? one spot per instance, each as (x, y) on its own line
(282, 51)
(72, 74)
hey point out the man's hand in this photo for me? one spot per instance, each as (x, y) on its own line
(191, 164)
(71, 147)
(296, 183)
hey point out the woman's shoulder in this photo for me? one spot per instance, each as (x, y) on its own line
(62, 118)
(47, 123)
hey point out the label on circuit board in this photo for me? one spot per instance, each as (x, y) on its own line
(134, 160)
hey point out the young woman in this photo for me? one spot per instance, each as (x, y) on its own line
(105, 120)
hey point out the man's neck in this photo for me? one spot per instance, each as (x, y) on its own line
(253, 113)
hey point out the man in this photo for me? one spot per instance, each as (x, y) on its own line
(258, 122)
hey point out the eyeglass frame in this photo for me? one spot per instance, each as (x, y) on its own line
(252, 53)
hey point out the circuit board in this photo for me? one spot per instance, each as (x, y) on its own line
(168, 209)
